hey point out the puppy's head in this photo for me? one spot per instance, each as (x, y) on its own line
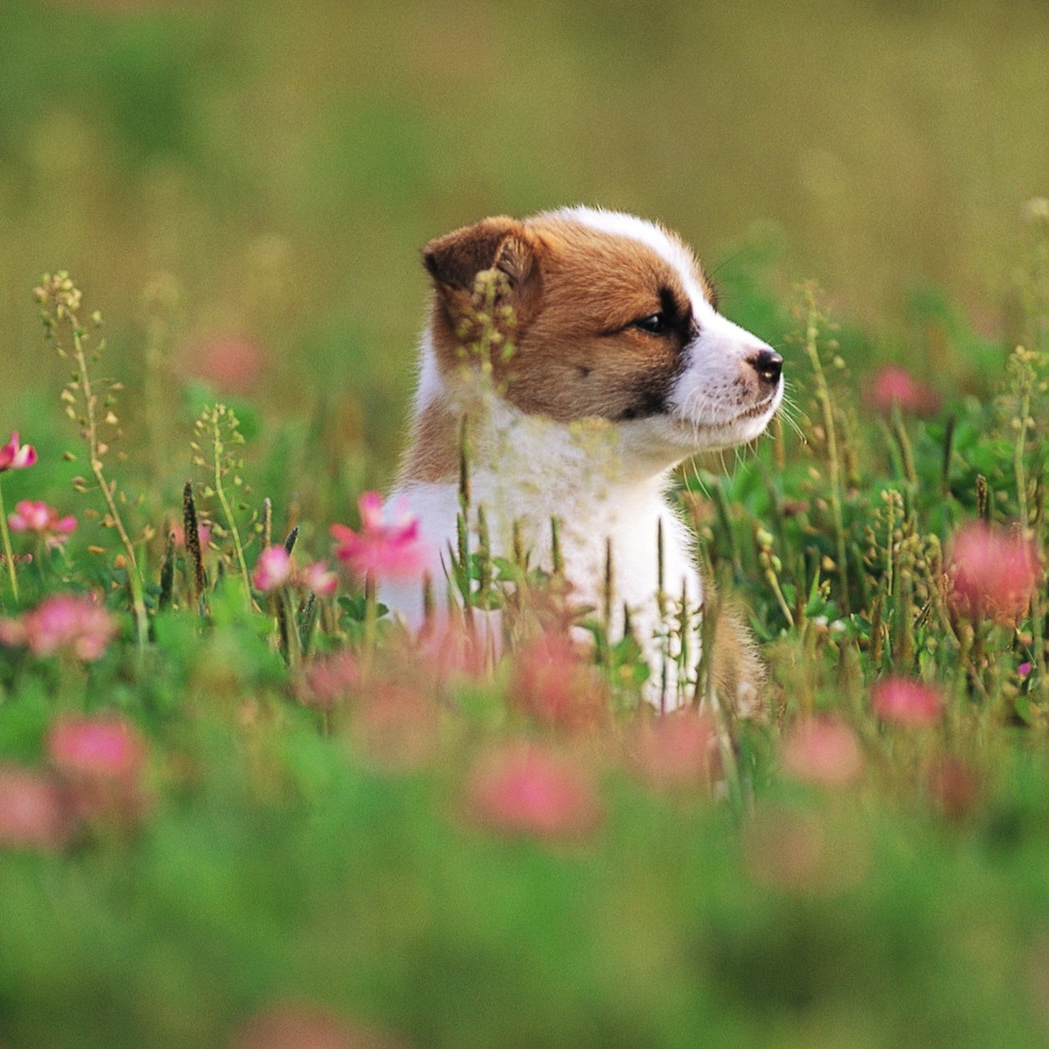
(609, 316)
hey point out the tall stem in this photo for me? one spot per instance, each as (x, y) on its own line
(834, 461)
(9, 556)
(138, 602)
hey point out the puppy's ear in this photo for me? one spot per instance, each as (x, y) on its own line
(455, 259)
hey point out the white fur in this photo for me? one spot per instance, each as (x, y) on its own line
(605, 482)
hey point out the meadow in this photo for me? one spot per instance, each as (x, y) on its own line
(241, 807)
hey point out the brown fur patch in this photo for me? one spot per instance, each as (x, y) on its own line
(739, 675)
(575, 293)
(433, 454)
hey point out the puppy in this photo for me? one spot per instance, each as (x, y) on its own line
(590, 359)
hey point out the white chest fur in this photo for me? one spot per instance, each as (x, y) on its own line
(534, 470)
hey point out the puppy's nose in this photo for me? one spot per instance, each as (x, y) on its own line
(768, 364)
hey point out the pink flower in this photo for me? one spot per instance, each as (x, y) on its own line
(953, 786)
(552, 684)
(393, 550)
(297, 1025)
(42, 519)
(907, 702)
(895, 385)
(203, 535)
(102, 759)
(676, 751)
(318, 579)
(993, 573)
(34, 813)
(276, 568)
(329, 682)
(15, 456)
(273, 569)
(823, 751)
(65, 621)
(230, 363)
(524, 790)
(396, 727)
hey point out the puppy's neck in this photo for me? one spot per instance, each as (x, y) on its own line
(463, 413)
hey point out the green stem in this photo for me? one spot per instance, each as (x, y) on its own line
(834, 462)
(227, 511)
(138, 602)
(9, 556)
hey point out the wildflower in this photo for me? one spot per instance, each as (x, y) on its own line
(907, 702)
(230, 363)
(203, 534)
(676, 751)
(792, 851)
(328, 683)
(42, 519)
(553, 685)
(993, 573)
(953, 786)
(102, 760)
(318, 579)
(823, 751)
(396, 726)
(298, 1025)
(34, 813)
(273, 569)
(894, 385)
(524, 790)
(62, 622)
(15, 456)
(392, 550)
(276, 568)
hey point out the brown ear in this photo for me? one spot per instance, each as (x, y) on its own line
(455, 259)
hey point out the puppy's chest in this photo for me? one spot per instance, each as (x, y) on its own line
(598, 526)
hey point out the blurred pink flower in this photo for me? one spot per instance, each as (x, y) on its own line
(64, 621)
(525, 790)
(393, 550)
(396, 725)
(276, 568)
(823, 751)
(42, 519)
(298, 1025)
(551, 683)
(102, 758)
(273, 569)
(907, 702)
(34, 810)
(318, 579)
(15, 456)
(230, 363)
(788, 851)
(953, 786)
(895, 385)
(328, 682)
(993, 572)
(676, 751)
(203, 534)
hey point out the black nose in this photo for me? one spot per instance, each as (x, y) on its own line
(768, 364)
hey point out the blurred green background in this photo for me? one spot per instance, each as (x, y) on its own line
(281, 164)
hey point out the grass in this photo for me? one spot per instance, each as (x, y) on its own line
(280, 806)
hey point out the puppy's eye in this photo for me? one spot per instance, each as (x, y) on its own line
(654, 323)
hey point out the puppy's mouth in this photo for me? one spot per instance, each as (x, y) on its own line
(740, 428)
(766, 406)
